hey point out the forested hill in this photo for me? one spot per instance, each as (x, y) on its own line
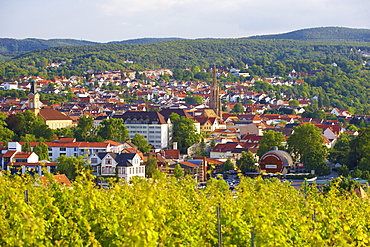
(19, 45)
(336, 34)
(10, 48)
(143, 41)
(13, 47)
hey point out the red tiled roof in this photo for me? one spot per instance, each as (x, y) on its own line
(59, 179)
(186, 163)
(9, 154)
(51, 114)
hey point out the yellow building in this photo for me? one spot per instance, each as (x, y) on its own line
(52, 118)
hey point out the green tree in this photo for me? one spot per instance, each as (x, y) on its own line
(294, 102)
(228, 165)
(318, 114)
(64, 133)
(339, 153)
(32, 124)
(28, 138)
(343, 171)
(84, 128)
(269, 141)
(113, 129)
(6, 134)
(238, 108)
(184, 132)
(141, 143)
(246, 162)
(26, 147)
(71, 166)
(359, 155)
(42, 151)
(178, 172)
(306, 141)
(194, 100)
(14, 123)
(150, 166)
(178, 74)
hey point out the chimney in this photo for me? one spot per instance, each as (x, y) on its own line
(174, 145)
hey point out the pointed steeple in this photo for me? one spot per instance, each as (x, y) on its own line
(214, 99)
(33, 87)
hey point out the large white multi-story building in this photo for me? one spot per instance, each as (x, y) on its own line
(152, 125)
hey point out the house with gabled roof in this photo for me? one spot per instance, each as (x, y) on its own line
(226, 150)
(17, 161)
(207, 124)
(123, 165)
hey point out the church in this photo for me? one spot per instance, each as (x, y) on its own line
(214, 99)
(52, 118)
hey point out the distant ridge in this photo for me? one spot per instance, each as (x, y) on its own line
(10, 48)
(333, 34)
(30, 44)
(13, 47)
(143, 41)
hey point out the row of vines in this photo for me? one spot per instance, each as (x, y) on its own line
(170, 212)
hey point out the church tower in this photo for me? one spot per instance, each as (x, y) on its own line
(34, 103)
(214, 99)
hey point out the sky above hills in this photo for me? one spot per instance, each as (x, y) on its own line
(116, 20)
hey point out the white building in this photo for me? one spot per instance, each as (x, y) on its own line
(17, 161)
(152, 125)
(69, 147)
(123, 165)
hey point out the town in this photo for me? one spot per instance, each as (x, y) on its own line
(227, 124)
(251, 141)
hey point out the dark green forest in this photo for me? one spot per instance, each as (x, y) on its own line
(323, 34)
(346, 85)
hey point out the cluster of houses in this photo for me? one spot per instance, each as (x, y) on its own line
(232, 134)
(148, 115)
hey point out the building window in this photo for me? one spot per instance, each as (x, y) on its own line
(94, 160)
(108, 161)
(63, 149)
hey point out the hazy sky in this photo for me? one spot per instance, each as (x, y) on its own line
(113, 20)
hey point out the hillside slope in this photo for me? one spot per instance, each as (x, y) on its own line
(336, 34)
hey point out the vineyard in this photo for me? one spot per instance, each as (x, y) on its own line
(168, 212)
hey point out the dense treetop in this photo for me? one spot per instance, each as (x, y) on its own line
(323, 34)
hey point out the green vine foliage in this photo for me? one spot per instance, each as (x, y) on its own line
(170, 212)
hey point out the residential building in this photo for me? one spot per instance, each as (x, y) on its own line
(69, 147)
(17, 161)
(152, 125)
(123, 165)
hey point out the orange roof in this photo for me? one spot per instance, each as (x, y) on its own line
(22, 155)
(9, 154)
(40, 163)
(58, 178)
(77, 144)
(214, 161)
(186, 163)
(113, 143)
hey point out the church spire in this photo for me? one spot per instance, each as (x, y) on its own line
(33, 87)
(34, 103)
(214, 100)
